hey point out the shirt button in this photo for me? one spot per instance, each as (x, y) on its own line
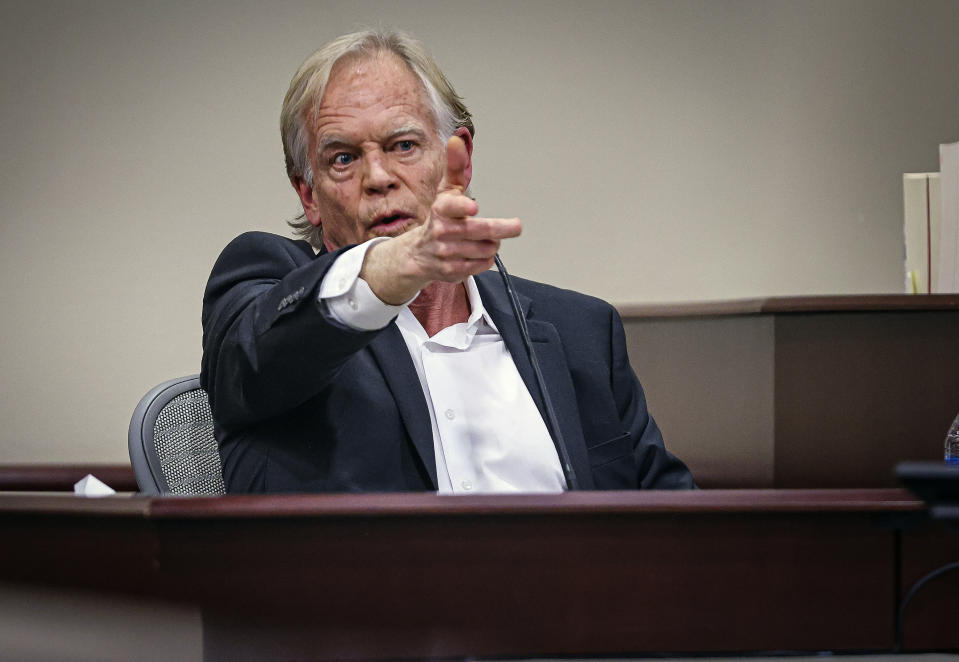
(450, 414)
(352, 303)
(467, 485)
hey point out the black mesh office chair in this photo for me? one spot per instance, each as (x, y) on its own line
(172, 448)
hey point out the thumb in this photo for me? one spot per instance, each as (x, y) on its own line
(457, 159)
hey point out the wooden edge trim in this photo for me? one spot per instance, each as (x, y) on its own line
(592, 503)
(786, 305)
(62, 477)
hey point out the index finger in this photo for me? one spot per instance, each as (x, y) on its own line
(485, 229)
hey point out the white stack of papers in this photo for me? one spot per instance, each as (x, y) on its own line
(921, 214)
(947, 276)
(931, 226)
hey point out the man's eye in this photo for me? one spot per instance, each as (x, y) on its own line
(343, 159)
(404, 145)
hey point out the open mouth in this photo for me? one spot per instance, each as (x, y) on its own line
(390, 223)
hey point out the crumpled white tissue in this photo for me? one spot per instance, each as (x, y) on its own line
(91, 486)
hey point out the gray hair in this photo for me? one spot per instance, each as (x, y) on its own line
(305, 94)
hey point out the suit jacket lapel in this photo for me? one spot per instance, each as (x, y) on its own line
(552, 363)
(389, 350)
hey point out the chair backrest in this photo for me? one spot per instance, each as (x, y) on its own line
(172, 448)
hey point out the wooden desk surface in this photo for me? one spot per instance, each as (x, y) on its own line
(801, 304)
(420, 575)
(416, 505)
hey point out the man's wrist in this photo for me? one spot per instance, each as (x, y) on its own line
(348, 299)
(385, 270)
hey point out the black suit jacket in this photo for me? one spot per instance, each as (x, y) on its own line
(304, 404)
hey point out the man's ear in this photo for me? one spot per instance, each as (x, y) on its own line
(308, 200)
(464, 134)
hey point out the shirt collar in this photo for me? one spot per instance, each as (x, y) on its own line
(459, 336)
(477, 310)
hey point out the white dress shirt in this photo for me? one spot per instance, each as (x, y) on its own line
(488, 435)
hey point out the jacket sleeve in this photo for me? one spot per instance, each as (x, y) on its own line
(657, 468)
(268, 343)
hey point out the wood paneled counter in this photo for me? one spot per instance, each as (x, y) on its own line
(800, 392)
(420, 575)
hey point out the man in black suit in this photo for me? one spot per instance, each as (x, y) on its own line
(391, 360)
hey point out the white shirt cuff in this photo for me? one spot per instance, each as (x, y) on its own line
(349, 299)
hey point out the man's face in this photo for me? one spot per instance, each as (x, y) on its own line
(377, 160)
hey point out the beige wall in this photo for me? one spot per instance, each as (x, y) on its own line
(657, 151)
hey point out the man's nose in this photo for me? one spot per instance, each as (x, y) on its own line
(378, 174)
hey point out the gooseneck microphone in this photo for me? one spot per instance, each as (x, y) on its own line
(552, 423)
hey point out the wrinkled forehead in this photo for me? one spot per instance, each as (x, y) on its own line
(362, 80)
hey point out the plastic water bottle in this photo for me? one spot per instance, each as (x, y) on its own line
(952, 443)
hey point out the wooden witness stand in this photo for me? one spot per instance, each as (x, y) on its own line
(425, 576)
(809, 392)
